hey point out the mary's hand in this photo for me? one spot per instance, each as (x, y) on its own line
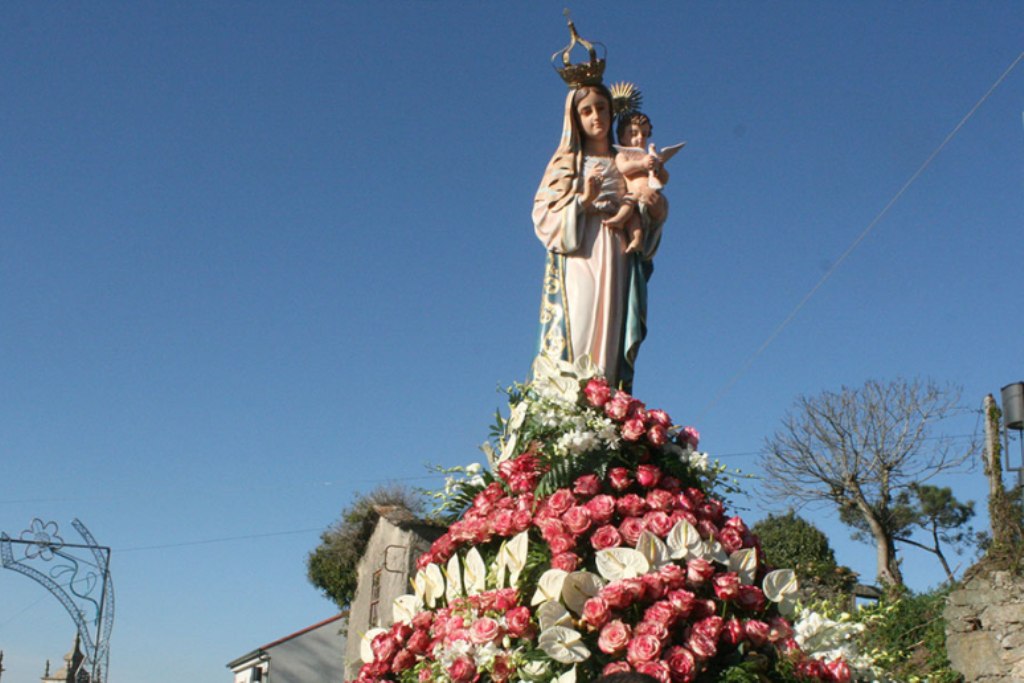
(591, 188)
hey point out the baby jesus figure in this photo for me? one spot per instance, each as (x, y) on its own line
(643, 170)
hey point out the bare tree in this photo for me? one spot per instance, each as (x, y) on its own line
(860, 449)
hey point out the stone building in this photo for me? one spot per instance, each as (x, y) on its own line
(384, 572)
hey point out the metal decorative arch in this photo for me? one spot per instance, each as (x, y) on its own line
(80, 581)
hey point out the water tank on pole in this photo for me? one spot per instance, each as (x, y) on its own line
(1013, 406)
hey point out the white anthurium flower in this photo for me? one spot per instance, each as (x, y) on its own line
(366, 644)
(744, 563)
(474, 576)
(404, 608)
(653, 549)
(434, 584)
(453, 589)
(534, 669)
(713, 550)
(564, 645)
(508, 447)
(553, 613)
(419, 585)
(514, 553)
(568, 677)
(621, 563)
(549, 586)
(684, 541)
(580, 587)
(517, 416)
(780, 586)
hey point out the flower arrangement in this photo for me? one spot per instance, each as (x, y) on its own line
(595, 544)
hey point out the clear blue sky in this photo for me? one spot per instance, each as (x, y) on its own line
(255, 257)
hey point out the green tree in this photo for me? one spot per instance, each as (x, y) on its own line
(790, 541)
(331, 566)
(860, 449)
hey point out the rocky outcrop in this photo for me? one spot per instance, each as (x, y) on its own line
(985, 628)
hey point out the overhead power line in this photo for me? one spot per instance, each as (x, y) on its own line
(860, 238)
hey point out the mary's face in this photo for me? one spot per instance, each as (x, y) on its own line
(595, 116)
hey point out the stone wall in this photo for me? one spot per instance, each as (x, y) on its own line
(985, 628)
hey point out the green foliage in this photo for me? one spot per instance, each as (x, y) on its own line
(331, 566)
(913, 633)
(789, 541)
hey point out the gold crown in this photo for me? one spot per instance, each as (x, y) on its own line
(583, 73)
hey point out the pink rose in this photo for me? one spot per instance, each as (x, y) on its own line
(654, 587)
(502, 669)
(702, 645)
(614, 637)
(751, 598)
(502, 523)
(384, 647)
(633, 429)
(618, 407)
(560, 501)
(587, 485)
(620, 478)
(839, 670)
(602, 508)
(616, 595)
(659, 523)
(733, 633)
(606, 537)
(403, 660)
(422, 620)
(699, 570)
(661, 612)
(682, 601)
(648, 476)
(642, 648)
(616, 667)
(517, 621)
(567, 561)
(521, 521)
(577, 519)
(596, 612)
(462, 670)
(631, 505)
(727, 586)
(779, 630)
(651, 628)
(673, 576)
(656, 669)
(730, 539)
(757, 632)
(561, 543)
(425, 675)
(657, 435)
(661, 500)
(631, 528)
(484, 630)
(418, 642)
(597, 392)
(682, 667)
(689, 437)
